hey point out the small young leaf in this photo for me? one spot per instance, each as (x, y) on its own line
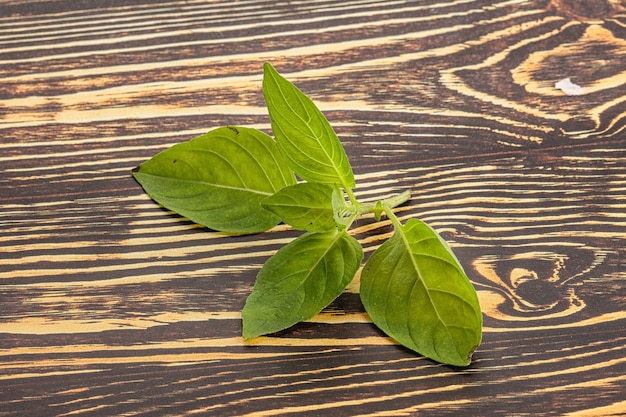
(340, 209)
(219, 179)
(303, 134)
(415, 290)
(305, 206)
(300, 280)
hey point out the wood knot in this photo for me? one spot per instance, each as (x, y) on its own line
(537, 285)
(586, 10)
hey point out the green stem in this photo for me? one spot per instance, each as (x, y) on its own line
(392, 216)
(351, 219)
(357, 209)
(352, 197)
(391, 202)
(398, 199)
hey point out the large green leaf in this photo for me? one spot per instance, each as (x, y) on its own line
(415, 290)
(303, 134)
(219, 179)
(305, 206)
(300, 280)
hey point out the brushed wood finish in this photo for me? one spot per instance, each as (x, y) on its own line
(111, 305)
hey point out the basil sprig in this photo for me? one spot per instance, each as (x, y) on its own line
(240, 180)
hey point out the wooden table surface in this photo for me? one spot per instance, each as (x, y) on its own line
(113, 306)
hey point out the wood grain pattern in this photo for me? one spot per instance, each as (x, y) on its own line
(111, 305)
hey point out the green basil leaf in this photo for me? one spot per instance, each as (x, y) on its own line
(300, 280)
(415, 290)
(303, 134)
(305, 206)
(219, 179)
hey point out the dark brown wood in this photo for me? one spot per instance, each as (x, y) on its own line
(111, 305)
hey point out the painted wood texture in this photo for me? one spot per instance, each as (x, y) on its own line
(111, 305)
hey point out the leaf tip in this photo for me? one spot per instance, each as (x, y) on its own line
(268, 69)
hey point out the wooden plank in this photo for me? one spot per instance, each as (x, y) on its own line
(113, 306)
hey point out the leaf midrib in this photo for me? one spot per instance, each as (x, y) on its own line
(227, 187)
(335, 239)
(419, 275)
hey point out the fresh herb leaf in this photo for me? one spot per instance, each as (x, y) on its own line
(303, 134)
(219, 179)
(300, 280)
(415, 290)
(305, 206)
